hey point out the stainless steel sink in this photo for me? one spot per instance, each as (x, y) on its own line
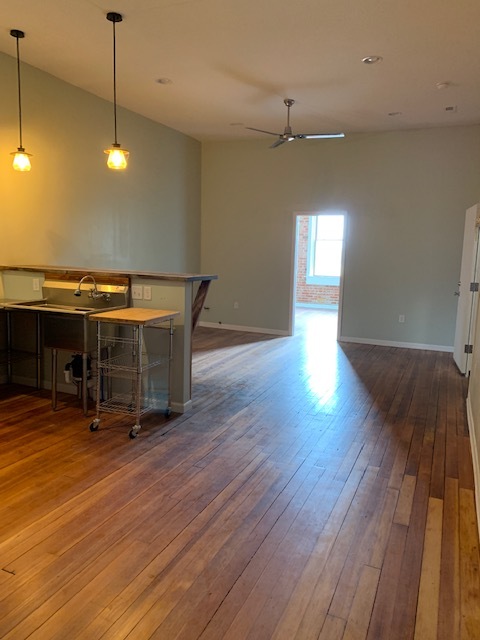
(61, 296)
(65, 307)
(64, 310)
(44, 305)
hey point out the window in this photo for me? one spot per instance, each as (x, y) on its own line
(324, 260)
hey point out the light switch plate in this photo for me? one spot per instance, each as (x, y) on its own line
(137, 292)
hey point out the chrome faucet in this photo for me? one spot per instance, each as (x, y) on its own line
(94, 293)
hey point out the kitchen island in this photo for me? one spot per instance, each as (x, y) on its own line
(184, 292)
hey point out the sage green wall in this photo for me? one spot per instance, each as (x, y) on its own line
(405, 194)
(72, 210)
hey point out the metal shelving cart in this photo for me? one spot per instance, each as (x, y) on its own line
(124, 362)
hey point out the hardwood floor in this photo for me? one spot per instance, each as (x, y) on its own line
(314, 491)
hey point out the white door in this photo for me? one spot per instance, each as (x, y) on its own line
(467, 298)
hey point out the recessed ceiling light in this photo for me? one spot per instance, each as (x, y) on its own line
(443, 85)
(164, 81)
(372, 59)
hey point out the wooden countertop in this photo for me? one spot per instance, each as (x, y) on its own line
(4, 301)
(79, 271)
(135, 315)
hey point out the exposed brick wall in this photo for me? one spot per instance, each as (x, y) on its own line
(310, 293)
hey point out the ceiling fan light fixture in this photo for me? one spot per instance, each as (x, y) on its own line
(117, 157)
(372, 59)
(21, 159)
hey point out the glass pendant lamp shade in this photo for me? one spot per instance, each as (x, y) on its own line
(21, 159)
(117, 157)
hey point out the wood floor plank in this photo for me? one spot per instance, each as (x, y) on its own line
(469, 566)
(426, 623)
(465, 471)
(359, 617)
(386, 597)
(333, 629)
(403, 619)
(449, 597)
(405, 500)
(362, 548)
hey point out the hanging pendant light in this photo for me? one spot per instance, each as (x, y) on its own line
(117, 157)
(21, 159)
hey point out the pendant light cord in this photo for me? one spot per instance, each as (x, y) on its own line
(116, 155)
(19, 94)
(114, 83)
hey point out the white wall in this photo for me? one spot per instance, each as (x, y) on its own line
(72, 210)
(405, 193)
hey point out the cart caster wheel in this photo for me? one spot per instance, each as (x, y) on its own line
(94, 426)
(132, 435)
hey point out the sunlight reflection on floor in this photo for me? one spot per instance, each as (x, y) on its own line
(321, 352)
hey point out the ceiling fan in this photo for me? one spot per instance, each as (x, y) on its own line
(288, 136)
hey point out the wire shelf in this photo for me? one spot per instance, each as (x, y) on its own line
(129, 362)
(121, 342)
(127, 403)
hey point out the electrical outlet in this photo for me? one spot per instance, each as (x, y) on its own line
(137, 292)
(236, 305)
(36, 284)
(147, 293)
(401, 318)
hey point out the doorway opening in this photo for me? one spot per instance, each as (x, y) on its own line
(318, 269)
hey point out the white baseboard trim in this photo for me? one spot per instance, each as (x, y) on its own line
(181, 407)
(373, 341)
(393, 343)
(475, 459)
(63, 387)
(29, 382)
(24, 381)
(235, 327)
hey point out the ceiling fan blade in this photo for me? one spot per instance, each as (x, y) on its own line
(263, 131)
(318, 136)
(279, 142)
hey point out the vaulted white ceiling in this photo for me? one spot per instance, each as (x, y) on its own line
(231, 63)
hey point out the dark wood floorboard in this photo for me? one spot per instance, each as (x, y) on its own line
(315, 491)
